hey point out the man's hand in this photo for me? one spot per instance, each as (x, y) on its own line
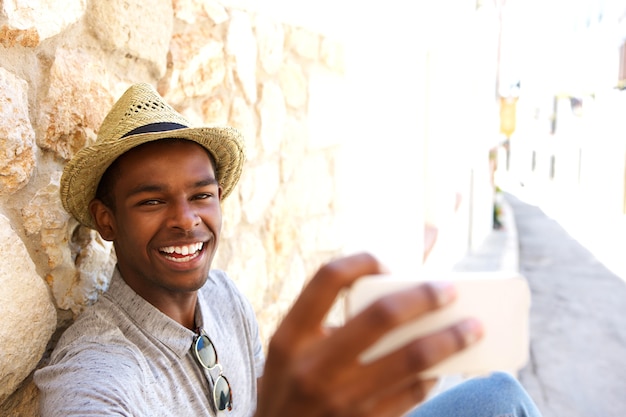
(313, 372)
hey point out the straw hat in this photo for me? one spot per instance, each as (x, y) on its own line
(139, 116)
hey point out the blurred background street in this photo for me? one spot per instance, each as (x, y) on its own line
(578, 337)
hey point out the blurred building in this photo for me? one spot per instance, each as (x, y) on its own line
(570, 137)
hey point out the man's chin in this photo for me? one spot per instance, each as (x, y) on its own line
(191, 283)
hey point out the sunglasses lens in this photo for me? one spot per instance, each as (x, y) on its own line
(206, 352)
(222, 395)
(207, 356)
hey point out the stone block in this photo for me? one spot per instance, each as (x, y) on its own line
(215, 109)
(11, 37)
(138, 29)
(190, 11)
(44, 211)
(78, 284)
(271, 43)
(198, 64)
(216, 12)
(75, 104)
(28, 315)
(31, 21)
(23, 402)
(17, 137)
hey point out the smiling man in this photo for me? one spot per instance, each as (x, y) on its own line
(173, 337)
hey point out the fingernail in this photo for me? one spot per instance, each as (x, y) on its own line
(444, 292)
(471, 331)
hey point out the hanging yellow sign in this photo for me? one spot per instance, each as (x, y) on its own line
(508, 106)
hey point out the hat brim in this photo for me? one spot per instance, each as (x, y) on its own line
(82, 174)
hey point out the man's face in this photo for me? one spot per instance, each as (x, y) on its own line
(166, 219)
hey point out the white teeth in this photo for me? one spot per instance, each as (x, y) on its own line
(183, 250)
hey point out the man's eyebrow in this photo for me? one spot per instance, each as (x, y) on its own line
(155, 188)
(205, 182)
(146, 188)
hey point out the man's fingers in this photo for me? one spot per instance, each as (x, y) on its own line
(394, 377)
(379, 318)
(432, 349)
(316, 299)
(390, 372)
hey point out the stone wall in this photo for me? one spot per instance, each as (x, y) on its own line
(62, 65)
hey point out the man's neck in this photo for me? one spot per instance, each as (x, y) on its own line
(179, 306)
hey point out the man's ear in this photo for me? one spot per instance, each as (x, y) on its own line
(104, 219)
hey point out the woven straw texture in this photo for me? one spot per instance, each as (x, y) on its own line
(141, 105)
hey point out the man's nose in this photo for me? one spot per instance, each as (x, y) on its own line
(183, 216)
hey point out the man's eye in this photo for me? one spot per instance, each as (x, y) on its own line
(149, 203)
(203, 196)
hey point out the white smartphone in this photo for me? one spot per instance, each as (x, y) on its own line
(500, 300)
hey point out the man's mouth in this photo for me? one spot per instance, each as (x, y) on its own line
(182, 253)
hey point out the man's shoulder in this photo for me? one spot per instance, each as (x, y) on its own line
(98, 325)
(93, 367)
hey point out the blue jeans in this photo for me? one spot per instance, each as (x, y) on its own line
(498, 395)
